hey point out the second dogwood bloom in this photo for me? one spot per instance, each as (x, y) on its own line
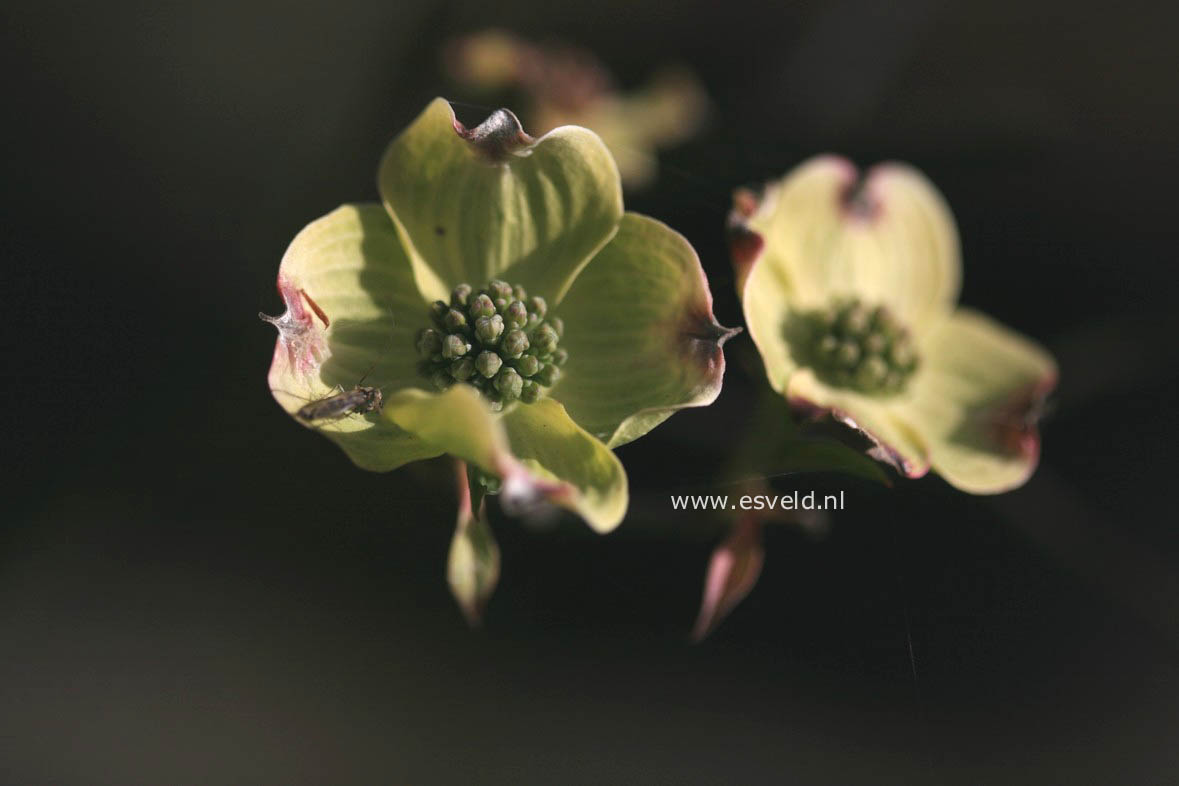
(850, 289)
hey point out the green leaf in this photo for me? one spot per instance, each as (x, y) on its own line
(642, 339)
(889, 239)
(585, 476)
(975, 403)
(473, 203)
(352, 311)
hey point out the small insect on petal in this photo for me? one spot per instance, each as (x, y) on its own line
(360, 400)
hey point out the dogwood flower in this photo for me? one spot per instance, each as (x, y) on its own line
(849, 286)
(506, 309)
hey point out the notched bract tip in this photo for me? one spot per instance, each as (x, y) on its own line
(718, 333)
(859, 199)
(703, 338)
(497, 137)
(301, 345)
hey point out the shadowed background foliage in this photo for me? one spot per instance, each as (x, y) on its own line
(194, 590)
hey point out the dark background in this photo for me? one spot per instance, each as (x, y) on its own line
(195, 590)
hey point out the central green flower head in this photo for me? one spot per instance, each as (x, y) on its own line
(496, 339)
(856, 346)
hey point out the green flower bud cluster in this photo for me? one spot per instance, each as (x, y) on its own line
(496, 339)
(862, 347)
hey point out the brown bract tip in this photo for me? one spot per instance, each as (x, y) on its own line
(713, 331)
(745, 204)
(301, 346)
(745, 245)
(497, 137)
(1015, 423)
(701, 338)
(861, 197)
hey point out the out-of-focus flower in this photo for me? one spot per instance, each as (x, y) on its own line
(565, 85)
(605, 329)
(849, 287)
